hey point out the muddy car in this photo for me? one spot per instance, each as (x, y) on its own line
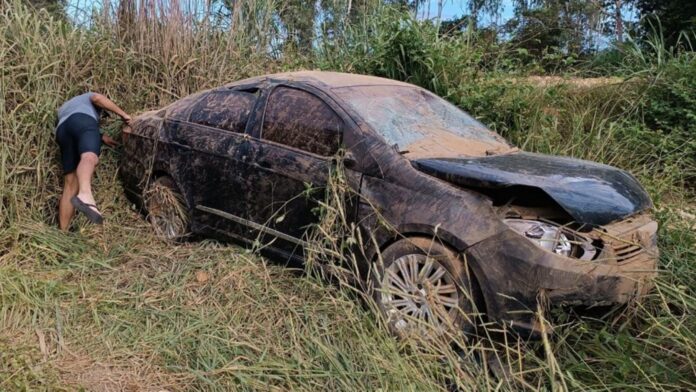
(458, 219)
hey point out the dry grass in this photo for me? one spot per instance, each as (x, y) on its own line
(113, 308)
(547, 81)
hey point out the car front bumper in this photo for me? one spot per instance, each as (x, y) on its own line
(518, 279)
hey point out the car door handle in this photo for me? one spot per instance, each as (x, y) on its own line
(184, 146)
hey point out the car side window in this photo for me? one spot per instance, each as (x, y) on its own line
(299, 119)
(226, 110)
(181, 109)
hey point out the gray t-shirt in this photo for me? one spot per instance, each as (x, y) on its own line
(79, 104)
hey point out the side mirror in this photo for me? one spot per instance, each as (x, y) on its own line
(349, 161)
(347, 158)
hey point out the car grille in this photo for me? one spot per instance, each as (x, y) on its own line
(631, 239)
(625, 251)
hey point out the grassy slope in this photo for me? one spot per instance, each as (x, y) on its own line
(113, 308)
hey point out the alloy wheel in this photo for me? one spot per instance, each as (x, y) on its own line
(418, 291)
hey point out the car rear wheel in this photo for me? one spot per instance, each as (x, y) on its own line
(424, 288)
(166, 210)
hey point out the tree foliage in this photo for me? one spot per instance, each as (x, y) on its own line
(550, 35)
(672, 17)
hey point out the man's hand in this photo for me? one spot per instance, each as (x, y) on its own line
(125, 131)
(103, 102)
(109, 141)
(127, 119)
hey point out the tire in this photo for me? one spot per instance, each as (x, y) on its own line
(442, 298)
(166, 210)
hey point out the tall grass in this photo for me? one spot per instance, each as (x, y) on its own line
(114, 308)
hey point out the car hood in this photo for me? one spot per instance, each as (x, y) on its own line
(590, 192)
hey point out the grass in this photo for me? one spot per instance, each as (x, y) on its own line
(113, 308)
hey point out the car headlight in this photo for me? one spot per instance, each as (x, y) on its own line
(554, 238)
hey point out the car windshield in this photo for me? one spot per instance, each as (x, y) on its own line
(420, 123)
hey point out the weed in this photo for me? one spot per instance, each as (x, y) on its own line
(116, 308)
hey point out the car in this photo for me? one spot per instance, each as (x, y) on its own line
(460, 221)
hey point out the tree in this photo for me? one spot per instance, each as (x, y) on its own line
(298, 18)
(674, 16)
(553, 27)
(613, 10)
(618, 20)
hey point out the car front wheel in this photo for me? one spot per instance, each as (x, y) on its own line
(423, 287)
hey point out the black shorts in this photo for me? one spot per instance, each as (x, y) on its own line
(78, 134)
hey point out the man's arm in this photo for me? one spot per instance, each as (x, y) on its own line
(105, 103)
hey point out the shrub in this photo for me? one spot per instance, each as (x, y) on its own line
(670, 110)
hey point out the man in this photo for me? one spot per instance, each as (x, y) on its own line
(80, 141)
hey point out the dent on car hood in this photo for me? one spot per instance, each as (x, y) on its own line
(590, 192)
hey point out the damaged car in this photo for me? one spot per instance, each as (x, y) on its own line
(459, 220)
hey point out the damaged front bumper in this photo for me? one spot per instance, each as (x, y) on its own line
(518, 276)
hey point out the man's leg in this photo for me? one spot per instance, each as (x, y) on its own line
(65, 209)
(85, 169)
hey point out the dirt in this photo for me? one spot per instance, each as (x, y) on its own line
(448, 145)
(689, 216)
(202, 276)
(549, 81)
(84, 372)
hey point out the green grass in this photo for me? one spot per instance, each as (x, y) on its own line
(114, 308)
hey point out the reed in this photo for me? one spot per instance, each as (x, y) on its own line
(114, 308)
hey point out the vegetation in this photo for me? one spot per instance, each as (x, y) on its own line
(114, 308)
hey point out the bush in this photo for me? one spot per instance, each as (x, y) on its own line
(114, 305)
(669, 109)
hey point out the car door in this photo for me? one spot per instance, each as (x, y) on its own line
(289, 165)
(208, 148)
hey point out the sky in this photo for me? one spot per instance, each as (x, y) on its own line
(455, 8)
(450, 9)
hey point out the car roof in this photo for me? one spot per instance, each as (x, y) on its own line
(325, 79)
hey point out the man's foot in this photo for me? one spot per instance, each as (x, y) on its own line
(89, 209)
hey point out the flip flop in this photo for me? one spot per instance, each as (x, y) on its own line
(86, 209)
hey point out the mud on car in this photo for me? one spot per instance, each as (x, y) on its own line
(479, 222)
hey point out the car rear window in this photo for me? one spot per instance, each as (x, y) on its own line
(226, 110)
(181, 109)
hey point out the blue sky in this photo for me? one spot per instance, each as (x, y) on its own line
(450, 9)
(456, 8)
